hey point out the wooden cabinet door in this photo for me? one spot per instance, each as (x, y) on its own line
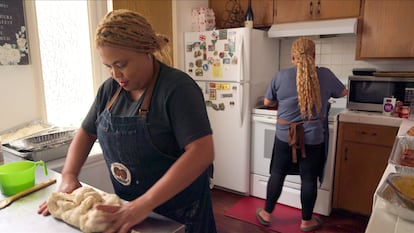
(292, 11)
(362, 155)
(386, 30)
(158, 13)
(360, 170)
(305, 10)
(230, 13)
(335, 9)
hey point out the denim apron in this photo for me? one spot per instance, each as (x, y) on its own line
(136, 164)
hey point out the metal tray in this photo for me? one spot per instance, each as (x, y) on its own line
(44, 140)
(49, 144)
(23, 130)
(51, 153)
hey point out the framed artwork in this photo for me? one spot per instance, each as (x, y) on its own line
(14, 48)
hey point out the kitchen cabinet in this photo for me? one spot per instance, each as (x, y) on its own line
(386, 29)
(230, 13)
(361, 158)
(158, 13)
(306, 10)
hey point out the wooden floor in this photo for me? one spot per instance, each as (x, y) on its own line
(338, 221)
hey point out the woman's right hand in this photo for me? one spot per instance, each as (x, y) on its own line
(67, 185)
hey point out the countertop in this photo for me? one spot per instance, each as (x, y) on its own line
(382, 219)
(21, 215)
(374, 118)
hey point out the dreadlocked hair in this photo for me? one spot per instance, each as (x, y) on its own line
(128, 29)
(307, 82)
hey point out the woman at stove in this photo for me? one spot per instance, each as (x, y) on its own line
(301, 94)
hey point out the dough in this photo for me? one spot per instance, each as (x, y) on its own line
(77, 209)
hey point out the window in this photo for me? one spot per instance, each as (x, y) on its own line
(67, 59)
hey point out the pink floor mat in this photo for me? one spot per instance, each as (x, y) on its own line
(285, 219)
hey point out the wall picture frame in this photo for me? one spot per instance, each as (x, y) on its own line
(14, 49)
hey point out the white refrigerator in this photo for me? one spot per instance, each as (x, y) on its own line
(233, 67)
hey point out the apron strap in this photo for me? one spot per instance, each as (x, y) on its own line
(144, 109)
(296, 137)
(111, 102)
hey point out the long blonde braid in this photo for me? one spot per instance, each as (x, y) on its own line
(307, 82)
(128, 29)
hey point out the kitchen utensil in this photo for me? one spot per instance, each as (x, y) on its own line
(18, 176)
(9, 200)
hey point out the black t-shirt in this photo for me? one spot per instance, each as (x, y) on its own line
(177, 113)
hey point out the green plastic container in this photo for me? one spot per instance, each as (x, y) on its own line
(18, 176)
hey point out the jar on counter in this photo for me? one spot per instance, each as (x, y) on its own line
(405, 111)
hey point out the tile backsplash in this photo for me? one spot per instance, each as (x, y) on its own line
(338, 54)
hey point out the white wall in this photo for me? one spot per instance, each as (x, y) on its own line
(338, 54)
(21, 97)
(21, 87)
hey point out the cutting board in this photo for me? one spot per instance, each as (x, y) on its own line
(394, 74)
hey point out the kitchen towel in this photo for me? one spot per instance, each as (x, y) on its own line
(285, 219)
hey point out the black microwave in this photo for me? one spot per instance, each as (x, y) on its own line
(366, 93)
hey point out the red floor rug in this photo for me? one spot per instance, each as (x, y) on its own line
(285, 219)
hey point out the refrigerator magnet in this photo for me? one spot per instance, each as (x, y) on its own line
(212, 95)
(223, 34)
(234, 60)
(189, 47)
(199, 62)
(205, 67)
(199, 72)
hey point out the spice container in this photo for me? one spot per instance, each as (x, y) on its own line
(405, 111)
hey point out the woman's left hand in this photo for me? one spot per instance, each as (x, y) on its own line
(123, 217)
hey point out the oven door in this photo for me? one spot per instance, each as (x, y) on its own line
(263, 136)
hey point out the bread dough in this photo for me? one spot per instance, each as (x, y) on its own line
(77, 208)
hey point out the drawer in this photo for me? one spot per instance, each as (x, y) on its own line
(371, 134)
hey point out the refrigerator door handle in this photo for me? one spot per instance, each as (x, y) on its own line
(243, 65)
(241, 100)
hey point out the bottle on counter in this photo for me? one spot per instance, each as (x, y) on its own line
(248, 18)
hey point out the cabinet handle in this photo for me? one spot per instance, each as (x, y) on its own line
(319, 7)
(346, 154)
(310, 8)
(374, 134)
(363, 133)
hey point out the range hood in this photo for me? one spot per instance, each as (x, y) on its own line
(314, 28)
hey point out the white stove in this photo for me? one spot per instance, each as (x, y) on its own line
(263, 133)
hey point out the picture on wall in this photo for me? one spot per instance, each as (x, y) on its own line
(13, 38)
